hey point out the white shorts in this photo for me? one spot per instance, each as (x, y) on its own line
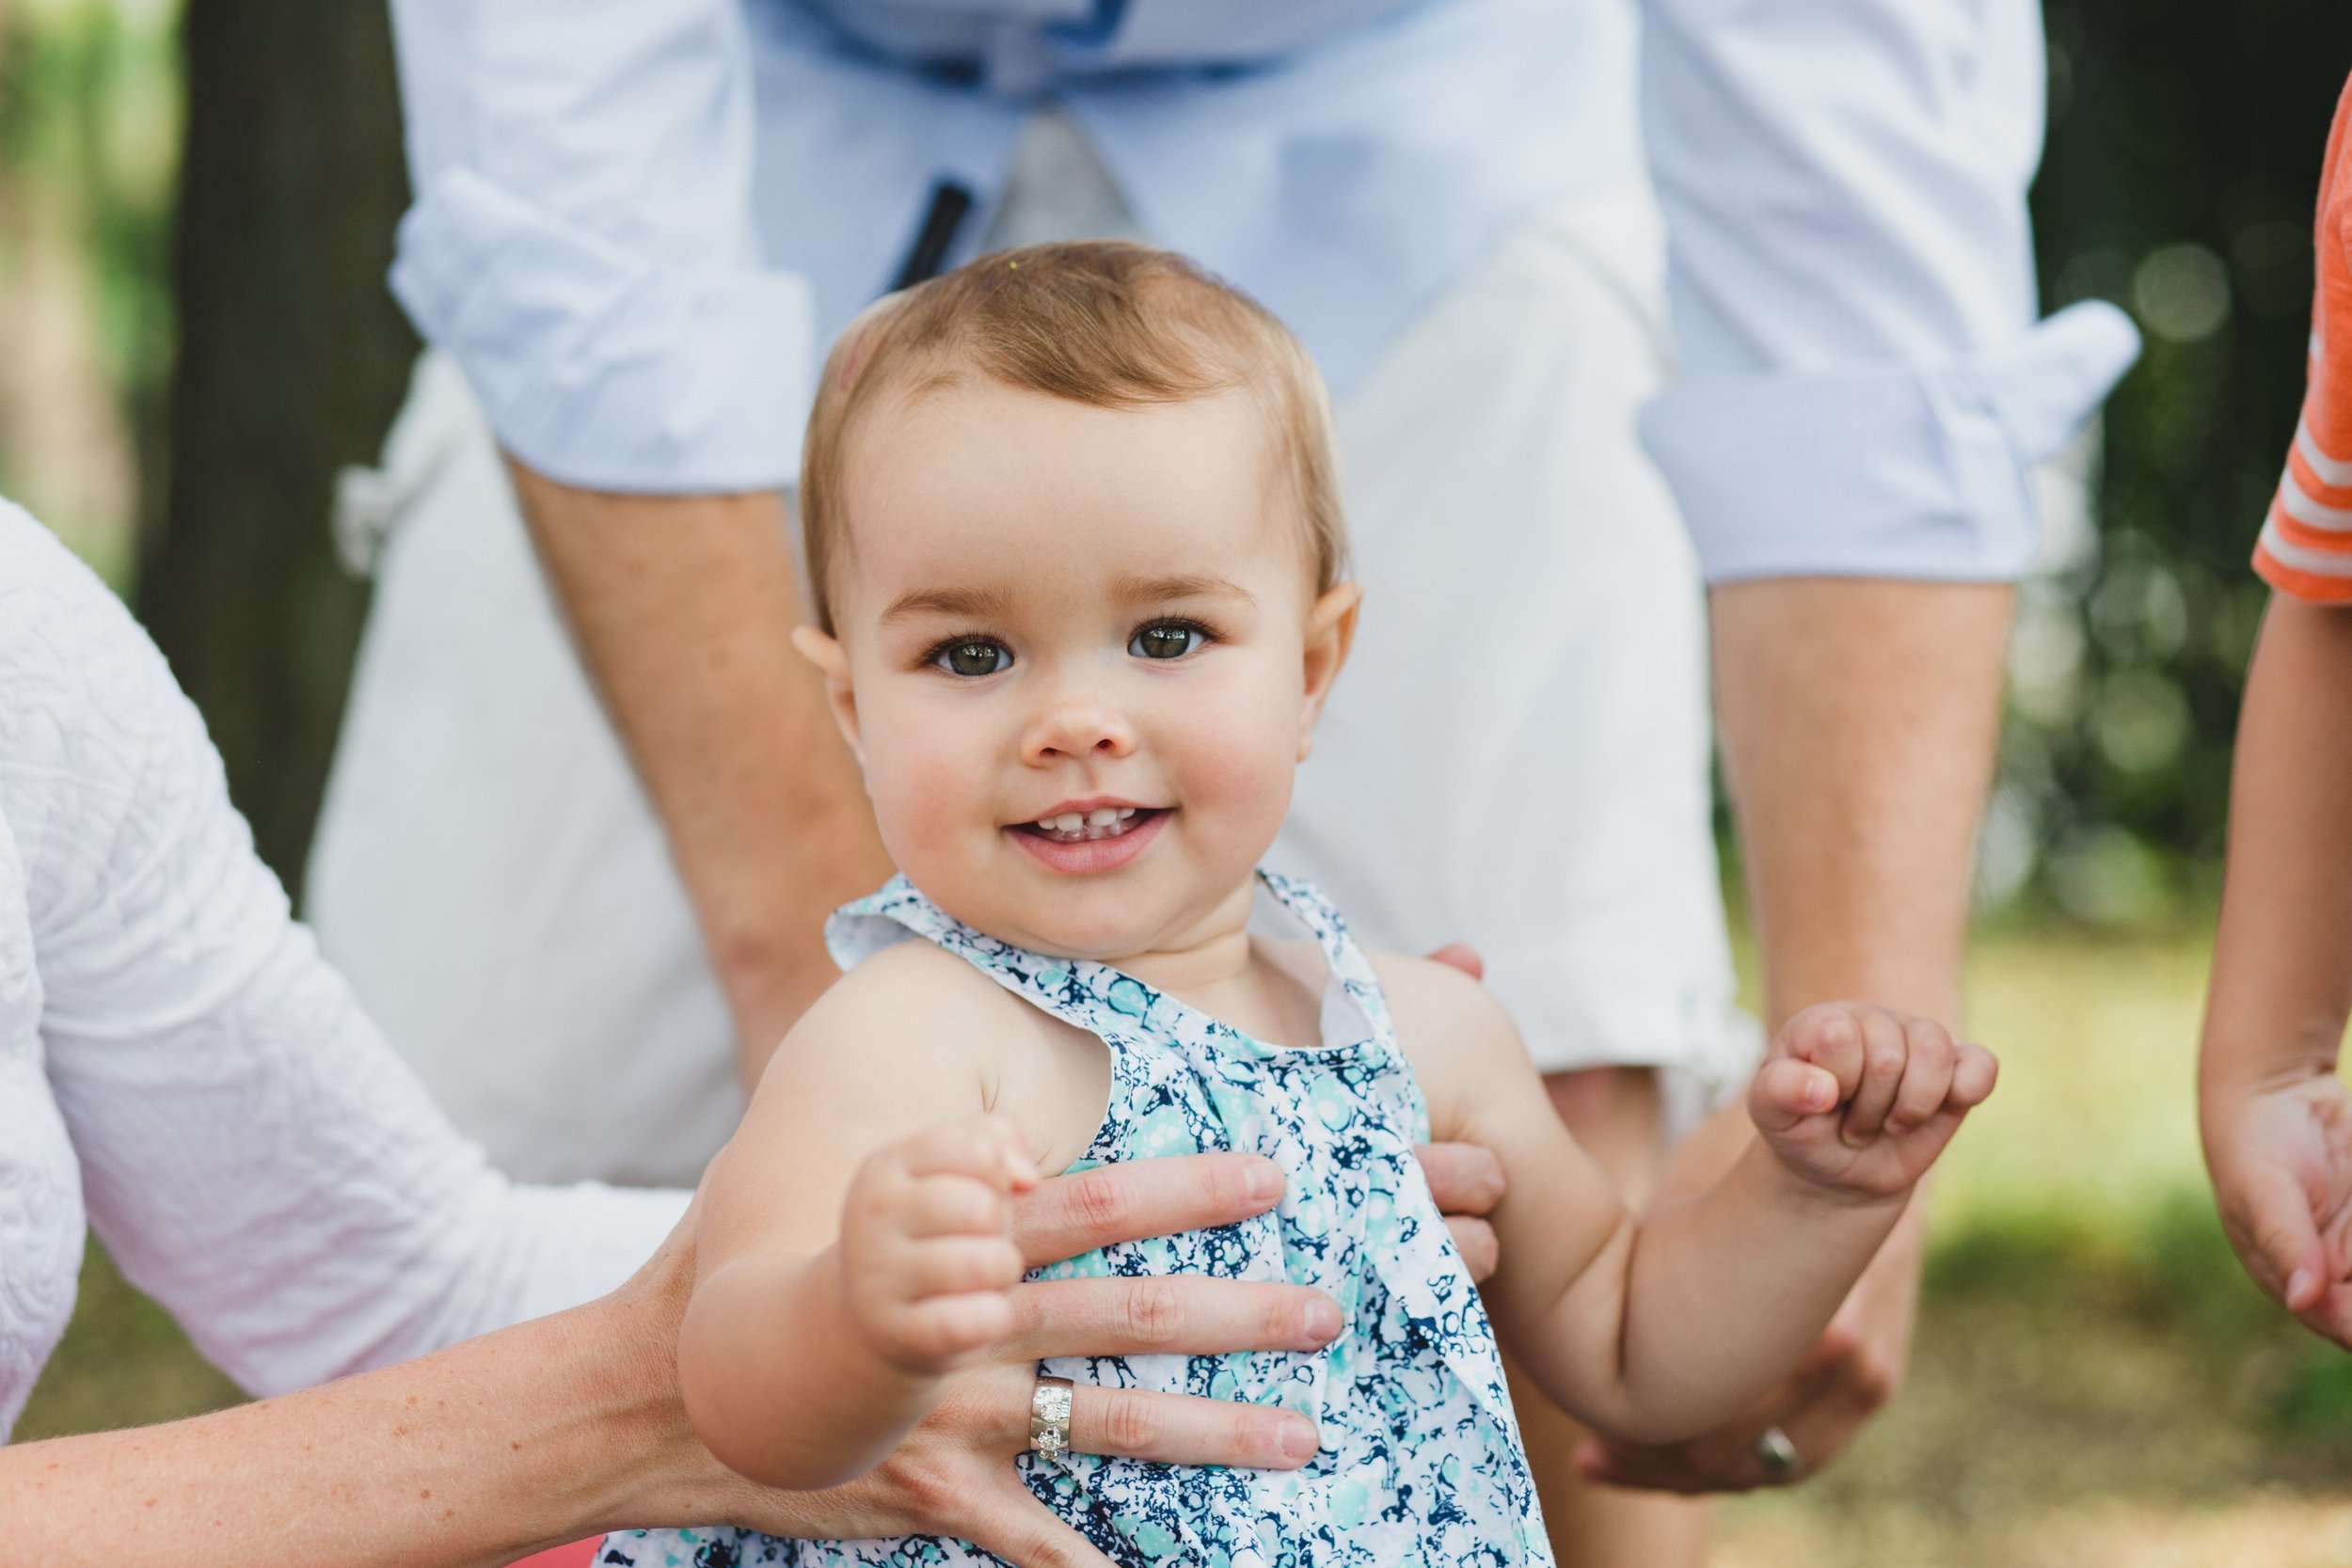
(1516, 758)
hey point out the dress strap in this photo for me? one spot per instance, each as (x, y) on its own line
(1101, 1000)
(1354, 1007)
(1090, 996)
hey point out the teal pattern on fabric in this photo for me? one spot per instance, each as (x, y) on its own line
(1422, 1461)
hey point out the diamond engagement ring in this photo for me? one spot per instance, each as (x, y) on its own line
(1049, 1418)
(1778, 1455)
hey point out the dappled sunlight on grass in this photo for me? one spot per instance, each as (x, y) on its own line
(2095, 1381)
(2096, 1113)
(2257, 1532)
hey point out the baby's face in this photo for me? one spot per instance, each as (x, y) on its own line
(1081, 654)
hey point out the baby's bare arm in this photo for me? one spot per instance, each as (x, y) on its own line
(1652, 1330)
(793, 1369)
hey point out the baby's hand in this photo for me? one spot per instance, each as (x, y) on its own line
(1861, 1099)
(926, 1254)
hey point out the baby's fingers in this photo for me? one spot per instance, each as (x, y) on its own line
(1885, 1057)
(1930, 1061)
(1973, 1077)
(940, 1333)
(951, 1206)
(960, 1265)
(1786, 1091)
(987, 1148)
(1829, 1035)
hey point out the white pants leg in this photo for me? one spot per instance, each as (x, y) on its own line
(486, 870)
(1516, 758)
(1518, 755)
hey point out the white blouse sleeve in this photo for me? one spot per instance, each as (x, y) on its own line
(253, 1155)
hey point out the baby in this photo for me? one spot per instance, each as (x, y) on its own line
(1075, 548)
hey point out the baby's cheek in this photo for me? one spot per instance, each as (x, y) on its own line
(1244, 768)
(924, 802)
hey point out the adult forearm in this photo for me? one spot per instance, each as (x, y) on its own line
(1859, 719)
(2283, 974)
(683, 607)
(538, 1434)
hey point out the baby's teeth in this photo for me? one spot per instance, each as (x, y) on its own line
(1101, 816)
(1126, 812)
(1068, 822)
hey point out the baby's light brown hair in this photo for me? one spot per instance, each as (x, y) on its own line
(1097, 322)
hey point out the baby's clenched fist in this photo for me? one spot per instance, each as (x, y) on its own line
(927, 1253)
(1861, 1099)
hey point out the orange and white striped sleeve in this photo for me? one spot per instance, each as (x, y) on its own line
(2306, 545)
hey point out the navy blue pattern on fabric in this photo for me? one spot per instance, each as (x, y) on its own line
(1422, 1461)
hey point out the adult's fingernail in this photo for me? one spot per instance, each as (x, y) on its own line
(1264, 1180)
(2297, 1284)
(1323, 1319)
(1297, 1440)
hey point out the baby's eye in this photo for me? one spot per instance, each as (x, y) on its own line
(1166, 640)
(974, 656)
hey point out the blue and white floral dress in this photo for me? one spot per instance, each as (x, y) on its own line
(1422, 1461)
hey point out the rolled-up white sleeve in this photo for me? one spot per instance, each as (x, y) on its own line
(582, 239)
(1864, 385)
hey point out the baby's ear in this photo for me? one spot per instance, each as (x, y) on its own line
(1330, 632)
(825, 653)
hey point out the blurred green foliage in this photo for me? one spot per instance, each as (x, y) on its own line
(90, 135)
(89, 120)
(2183, 165)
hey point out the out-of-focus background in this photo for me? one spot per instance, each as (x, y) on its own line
(196, 211)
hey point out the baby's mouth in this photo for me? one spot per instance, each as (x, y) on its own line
(1078, 827)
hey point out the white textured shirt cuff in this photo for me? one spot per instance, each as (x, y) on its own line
(1883, 473)
(599, 367)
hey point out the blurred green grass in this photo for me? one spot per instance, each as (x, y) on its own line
(123, 1362)
(2092, 1370)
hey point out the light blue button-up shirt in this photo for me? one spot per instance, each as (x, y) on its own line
(638, 224)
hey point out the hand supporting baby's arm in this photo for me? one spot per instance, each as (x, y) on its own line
(802, 1370)
(1657, 1330)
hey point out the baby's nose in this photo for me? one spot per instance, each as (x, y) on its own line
(1075, 726)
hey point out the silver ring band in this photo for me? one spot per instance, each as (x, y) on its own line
(1778, 1455)
(1049, 1418)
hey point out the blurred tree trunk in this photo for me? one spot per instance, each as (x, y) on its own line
(292, 361)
